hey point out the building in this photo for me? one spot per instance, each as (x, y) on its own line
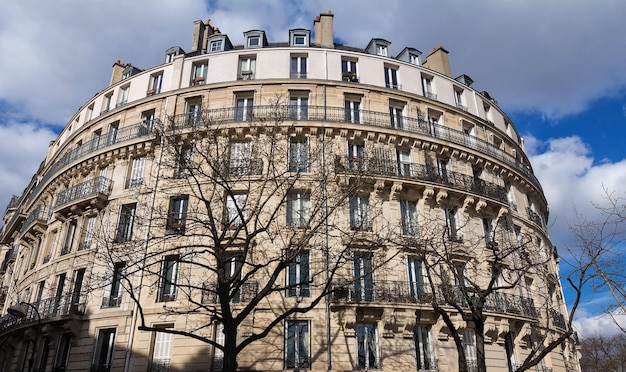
(390, 164)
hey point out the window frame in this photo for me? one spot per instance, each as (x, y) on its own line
(298, 157)
(299, 275)
(297, 337)
(125, 223)
(168, 280)
(177, 215)
(360, 213)
(363, 331)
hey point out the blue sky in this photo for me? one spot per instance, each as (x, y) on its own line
(556, 67)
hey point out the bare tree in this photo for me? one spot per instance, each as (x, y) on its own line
(241, 216)
(603, 353)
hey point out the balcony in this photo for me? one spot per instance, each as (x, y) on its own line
(36, 219)
(13, 224)
(111, 301)
(558, 320)
(350, 77)
(93, 193)
(272, 113)
(534, 217)
(235, 168)
(50, 309)
(381, 291)
(246, 292)
(419, 172)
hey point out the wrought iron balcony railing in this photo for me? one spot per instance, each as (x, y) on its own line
(49, 308)
(340, 114)
(390, 291)
(558, 319)
(421, 172)
(90, 188)
(40, 214)
(246, 292)
(534, 217)
(241, 167)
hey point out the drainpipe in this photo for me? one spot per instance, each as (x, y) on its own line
(326, 246)
(133, 323)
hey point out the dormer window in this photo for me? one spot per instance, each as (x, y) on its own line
(381, 50)
(218, 43)
(216, 46)
(414, 59)
(299, 37)
(255, 39)
(172, 52)
(379, 47)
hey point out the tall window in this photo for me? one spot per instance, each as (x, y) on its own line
(509, 347)
(298, 155)
(363, 277)
(218, 354)
(161, 350)
(297, 349)
(169, 278)
(442, 171)
(349, 70)
(469, 345)
(356, 156)
(427, 86)
(136, 172)
(391, 78)
(243, 110)
(69, 237)
(235, 209)
(298, 67)
(184, 161)
(458, 99)
(125, 223)
(88, 233)
(368, 354)
(487, 229)
(112, 133)
(155, 83)
(352, 110)
(299, 107)
(360, 219)
(423, 352)
(247, 68)
(232, 271)
(396, 117)
(298, 208)
(408, 211)
(404, 163)
(199, 73)
(177, 215)
(103, 355)
(193, 112)
(418, 284)
(123, 95)
(106, 103)
(79, 276)
(113, 292)
(298, 276)
(453, 228)
(240, 158)
(62, 352)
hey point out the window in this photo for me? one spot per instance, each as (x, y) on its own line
(427, 87)
(299, 37)
(391, 77)
(353, 112)
(487, 230)
(240, 159)
(509, 347)
(216, 46)
(243, 111)
(184, 163)
(218, 354)
(356, 156)
(381, 50)
(442, 171)
(254, 41)
(408, 211)
(453, 228)
(368, 355)
(88, 233)
(414, 59)
(232, 271)
(147, 119)
(199, 73)
(458, 99)
(112, 293)
(235, 209)
(169, 278)
(298, 276)
(423, 352)
(349, 71)
(298, 67)
(123, 95)
(360, 219)
(469, 345)
(297, 350)
(177, 215)
(161, 349)
(112, 133)
(247, 68)
(69, 238)
(124, 232)
(363, 277)
(488, 113)
(79, 276)
(103, 355)
(62, 352)
(299, 107)
(396, 117)
(404, 163)
(89, 114)
(169, 57)
(298, 208)
(155, 84)
(193, 112)
(136, 172)
(106, 104)
(298, 155)
(418, 282)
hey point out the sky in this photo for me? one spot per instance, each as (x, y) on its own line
(555, 66)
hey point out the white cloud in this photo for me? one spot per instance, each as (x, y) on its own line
(603, 325)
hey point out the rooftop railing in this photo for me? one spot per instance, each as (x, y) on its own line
(340, 114)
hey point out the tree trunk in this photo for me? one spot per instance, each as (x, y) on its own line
(479, 325)
(230, 348)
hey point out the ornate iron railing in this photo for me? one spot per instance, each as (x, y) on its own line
(245, 292)
(92, 187)
(54, 307)
(41, 213)
(558, 319)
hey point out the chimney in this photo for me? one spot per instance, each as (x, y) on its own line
(323, 28)
(118, 69)
(201, 32)
(438, 61)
